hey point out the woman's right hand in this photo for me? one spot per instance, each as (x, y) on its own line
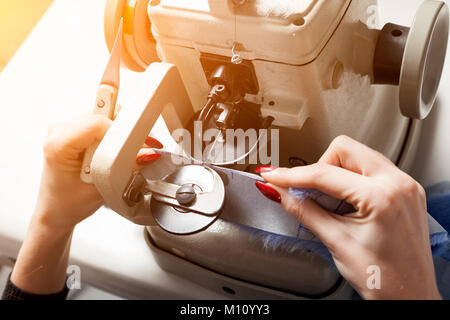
(388, 233)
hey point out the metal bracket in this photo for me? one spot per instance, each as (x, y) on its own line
(133, 192)
(207, 203)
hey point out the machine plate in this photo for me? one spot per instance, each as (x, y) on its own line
(178, 220)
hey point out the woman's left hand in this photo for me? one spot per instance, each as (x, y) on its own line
(64, 200)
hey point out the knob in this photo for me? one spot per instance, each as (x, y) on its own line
(186, 194)
(414, 58)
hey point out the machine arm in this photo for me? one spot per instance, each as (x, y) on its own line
(112, 165)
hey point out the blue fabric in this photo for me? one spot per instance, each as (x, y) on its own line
(438, 201)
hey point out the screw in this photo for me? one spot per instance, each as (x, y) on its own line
(100, 103)
(87, 170)
(186, 194)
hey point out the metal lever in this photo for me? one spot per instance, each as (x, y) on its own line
(207, 203)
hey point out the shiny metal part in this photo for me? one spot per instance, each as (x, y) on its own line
(207, 202)
(236, 57)
(186, 194)
(158, 187)
(133, 194)
(177, 218)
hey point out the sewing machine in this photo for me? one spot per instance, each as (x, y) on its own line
(313, 70)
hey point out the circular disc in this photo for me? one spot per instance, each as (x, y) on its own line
(129, 21)
(143, 37)
(139, 46)
(114, 11)
(423, 59)
(180, 221)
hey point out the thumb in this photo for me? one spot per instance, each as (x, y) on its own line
(325, 225)
(90, 129)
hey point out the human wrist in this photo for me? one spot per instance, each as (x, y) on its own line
(50, 223)
(42, 261)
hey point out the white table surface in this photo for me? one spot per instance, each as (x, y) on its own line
(54, 76)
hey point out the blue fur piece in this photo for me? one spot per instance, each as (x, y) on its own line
(275, 242)
(440, 245)
(327, 202)
(304, 194)
(438, 203)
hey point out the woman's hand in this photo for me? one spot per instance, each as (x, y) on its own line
(64, 200)
(388, 231)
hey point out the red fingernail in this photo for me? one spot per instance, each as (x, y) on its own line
(153, 143)
(147, 159)
(268, 191)
(265, 169)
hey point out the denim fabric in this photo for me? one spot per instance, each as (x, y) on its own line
(438, 201)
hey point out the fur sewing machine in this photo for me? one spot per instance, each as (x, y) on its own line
(313, 70)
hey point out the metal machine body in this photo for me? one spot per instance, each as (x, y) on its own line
(314, 71)
(314, 79)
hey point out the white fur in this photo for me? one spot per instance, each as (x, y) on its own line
(281, 8)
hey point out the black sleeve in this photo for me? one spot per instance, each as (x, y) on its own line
(12, 292)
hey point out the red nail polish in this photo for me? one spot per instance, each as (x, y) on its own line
(147, 159)
(153, 143)
(268, 191)
(265, 169)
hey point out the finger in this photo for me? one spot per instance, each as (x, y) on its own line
(79, 133)
(146, 156)
(352, 155)
(153, 143)
(325, 225)
(334, 181)
(91, 129)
